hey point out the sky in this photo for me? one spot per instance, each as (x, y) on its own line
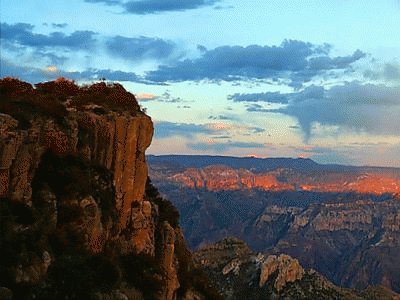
(312, 78)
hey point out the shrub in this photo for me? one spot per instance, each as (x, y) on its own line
(166, 210)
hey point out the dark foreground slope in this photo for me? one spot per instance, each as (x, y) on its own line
(79, 218)
(342, 221)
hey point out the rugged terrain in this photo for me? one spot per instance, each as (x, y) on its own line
(79, 217)
(342, 221)
(239, 273)
(213, 173)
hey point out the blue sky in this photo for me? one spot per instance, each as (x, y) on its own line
(318, 79)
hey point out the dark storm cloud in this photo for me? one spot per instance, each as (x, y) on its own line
(22, 34)
(222, 147)
(168, 129)
(140, 48)
(296, 61)
(143, 7)
(361, 107)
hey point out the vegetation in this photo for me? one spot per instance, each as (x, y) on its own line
(25, 102)
(167, 211)
(189, 276)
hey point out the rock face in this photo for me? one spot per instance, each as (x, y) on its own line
(223, 178)
(239, 273)
(115, 141)
(79, 217)
(352, 238)
(215, 178)
(289, 270)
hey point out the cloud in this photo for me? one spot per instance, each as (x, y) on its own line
(34, 75)
(107, 74)
(211, 145)
(59, 25)
(129, 48)
(166, 97)
(391, 72)
(139, 48)
(221, 117)
(387, 72)
(222, 137)
(340, 62)
(143, 97)
(107, 2)
(165, 129)
(22, 34)
(367, 108)
(271, 97)
(254, 107)
(44, 50)
(295, 61)
(238, 128)
(143, 7)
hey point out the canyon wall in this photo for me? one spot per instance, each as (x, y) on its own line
(79, 217)
(342, 221)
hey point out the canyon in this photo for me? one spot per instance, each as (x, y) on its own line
(82, 217)
(342, 221)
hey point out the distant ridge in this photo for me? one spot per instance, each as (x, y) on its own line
(342, 221)
(258, 164)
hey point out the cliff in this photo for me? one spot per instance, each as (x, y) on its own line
(345, 224)
(239, 273)
(77, 217)
(222, 178)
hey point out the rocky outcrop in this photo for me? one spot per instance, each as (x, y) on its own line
(115, 141)
(289, 270)
(167, 260)
(239, 273)
(78, 214)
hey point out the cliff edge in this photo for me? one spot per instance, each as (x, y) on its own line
(79, 217)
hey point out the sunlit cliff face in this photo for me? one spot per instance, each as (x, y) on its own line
(217, 178)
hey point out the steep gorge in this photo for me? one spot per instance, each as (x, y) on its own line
(342, 221)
